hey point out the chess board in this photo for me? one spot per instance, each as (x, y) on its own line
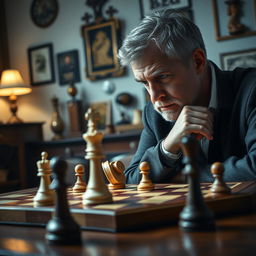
(131, 209)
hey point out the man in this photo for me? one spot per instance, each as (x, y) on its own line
(189, 94)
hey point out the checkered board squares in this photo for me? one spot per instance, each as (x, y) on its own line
(126, 197)
(130, 208)
(109, 206)
(159, 199)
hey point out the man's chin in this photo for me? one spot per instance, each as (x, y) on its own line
(169, 116)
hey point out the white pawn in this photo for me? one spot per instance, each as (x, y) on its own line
(80, 185)
(145, 183)
(44, 195)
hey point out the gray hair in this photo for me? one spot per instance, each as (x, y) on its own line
(173, 33)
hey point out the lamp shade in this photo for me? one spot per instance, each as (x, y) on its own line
(12, 83)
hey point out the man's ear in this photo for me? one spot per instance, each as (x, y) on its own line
(199, 60)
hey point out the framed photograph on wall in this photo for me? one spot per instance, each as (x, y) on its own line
(101, 43)
(41, 65)
(244, 59)
(234, 19)
(147, 6)
(68, 66)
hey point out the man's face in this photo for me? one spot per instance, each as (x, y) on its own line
(170, 84)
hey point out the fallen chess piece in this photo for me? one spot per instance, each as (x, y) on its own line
(145, 183)
(114, 171)
(219, 186)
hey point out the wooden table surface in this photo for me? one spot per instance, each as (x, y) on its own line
(234, 236)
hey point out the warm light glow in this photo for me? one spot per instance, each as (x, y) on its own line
(12, 83)
(17, 245)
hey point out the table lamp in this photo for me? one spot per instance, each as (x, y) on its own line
(12, 85)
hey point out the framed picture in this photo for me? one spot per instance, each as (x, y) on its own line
(103, 108)
(41, 65)
(244, 59)
(234, 19)
(101, 43)
(68, 65)
(147, 6)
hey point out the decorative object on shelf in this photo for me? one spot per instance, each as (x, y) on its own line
(57, 124)
(75, 112)
(182, 6)
(12, 85)
(244, 59)
(123, 101)
(234, 18)
(108, 87)
(102, 108)
(101, 39)
(68, 65)
(110, 128)
(136, 119)
(44, 12)
(41, 65)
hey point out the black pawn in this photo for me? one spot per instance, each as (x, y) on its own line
(195, 216)
(61, 229)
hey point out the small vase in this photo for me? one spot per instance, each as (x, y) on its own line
(57, 124)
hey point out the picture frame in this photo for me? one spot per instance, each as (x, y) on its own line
(104, 110)
(244, 58)
(183, 6)
(101, 42)
(41, 66)
(68, 67)
(229, 26)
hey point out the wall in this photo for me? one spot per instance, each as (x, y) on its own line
(64, 33)
(4, 58)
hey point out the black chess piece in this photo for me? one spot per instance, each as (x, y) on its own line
(61, 229)
(195, 216)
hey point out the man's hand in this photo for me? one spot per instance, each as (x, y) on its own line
(192, 119)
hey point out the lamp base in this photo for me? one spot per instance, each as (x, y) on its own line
(14, 120)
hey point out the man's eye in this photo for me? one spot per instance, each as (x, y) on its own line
(164, 76)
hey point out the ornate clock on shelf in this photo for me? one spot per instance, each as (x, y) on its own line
(44, 12)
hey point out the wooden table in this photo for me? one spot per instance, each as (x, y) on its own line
(234, 236)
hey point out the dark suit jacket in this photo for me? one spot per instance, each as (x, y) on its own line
(234, 142)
